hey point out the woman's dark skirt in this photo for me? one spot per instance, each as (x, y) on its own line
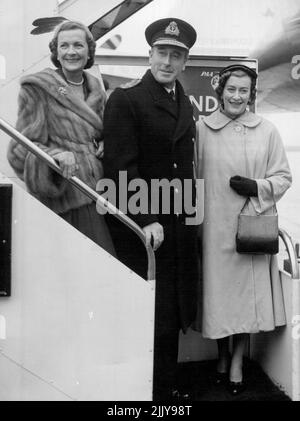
(88, 221)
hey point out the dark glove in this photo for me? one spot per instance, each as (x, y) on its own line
(243, 186)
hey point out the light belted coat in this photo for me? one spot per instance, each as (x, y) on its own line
(241, 293)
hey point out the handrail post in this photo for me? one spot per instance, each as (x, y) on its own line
(295, 309)
(88, 191)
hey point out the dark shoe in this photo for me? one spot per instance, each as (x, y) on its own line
(236, 388)
(219, 379)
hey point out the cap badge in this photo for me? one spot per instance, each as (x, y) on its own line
(172, 29)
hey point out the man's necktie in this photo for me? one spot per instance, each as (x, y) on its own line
(172, 95)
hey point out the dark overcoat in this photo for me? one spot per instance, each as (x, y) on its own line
(151, 136)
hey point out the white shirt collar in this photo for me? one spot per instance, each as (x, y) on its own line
(169, 90)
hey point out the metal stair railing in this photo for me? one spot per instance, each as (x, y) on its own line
(294, 265)
(106, 205)
(92, 194)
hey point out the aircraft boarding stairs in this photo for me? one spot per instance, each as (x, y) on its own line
(79, 325)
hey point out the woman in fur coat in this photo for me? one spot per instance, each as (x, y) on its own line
(61, 111)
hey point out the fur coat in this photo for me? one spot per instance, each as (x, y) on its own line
(57, 120)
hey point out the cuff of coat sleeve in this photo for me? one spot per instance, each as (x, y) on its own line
(42, 180)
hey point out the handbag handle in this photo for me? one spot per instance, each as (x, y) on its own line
(247, 174)
(272, 191)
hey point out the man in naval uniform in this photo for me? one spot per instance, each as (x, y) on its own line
(149, 133)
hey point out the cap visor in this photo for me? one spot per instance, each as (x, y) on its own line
(169, 41)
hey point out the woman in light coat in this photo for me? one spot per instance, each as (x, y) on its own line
(61, 111)
(239, 154)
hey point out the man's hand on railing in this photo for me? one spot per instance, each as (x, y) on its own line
(67, 163)
(154, 234)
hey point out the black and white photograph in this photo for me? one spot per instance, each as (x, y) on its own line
(149, 203)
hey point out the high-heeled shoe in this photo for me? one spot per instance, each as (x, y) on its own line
(236, 388)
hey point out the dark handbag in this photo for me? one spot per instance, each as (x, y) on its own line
(257, 234)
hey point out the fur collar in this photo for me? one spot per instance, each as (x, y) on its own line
(51, 82)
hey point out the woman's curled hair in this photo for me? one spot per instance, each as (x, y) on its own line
(239, 73)
(68, 26)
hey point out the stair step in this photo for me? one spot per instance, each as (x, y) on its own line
(195, 377)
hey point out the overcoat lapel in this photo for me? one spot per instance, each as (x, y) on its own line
(184, 115)
(159, 94)
(162, 101)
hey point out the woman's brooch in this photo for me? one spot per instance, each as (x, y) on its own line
(62, 90)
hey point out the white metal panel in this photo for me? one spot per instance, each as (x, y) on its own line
(2, 67)
(22, 52)
(86, 11)
(278, 351)
(79, 323)
(231, 27)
